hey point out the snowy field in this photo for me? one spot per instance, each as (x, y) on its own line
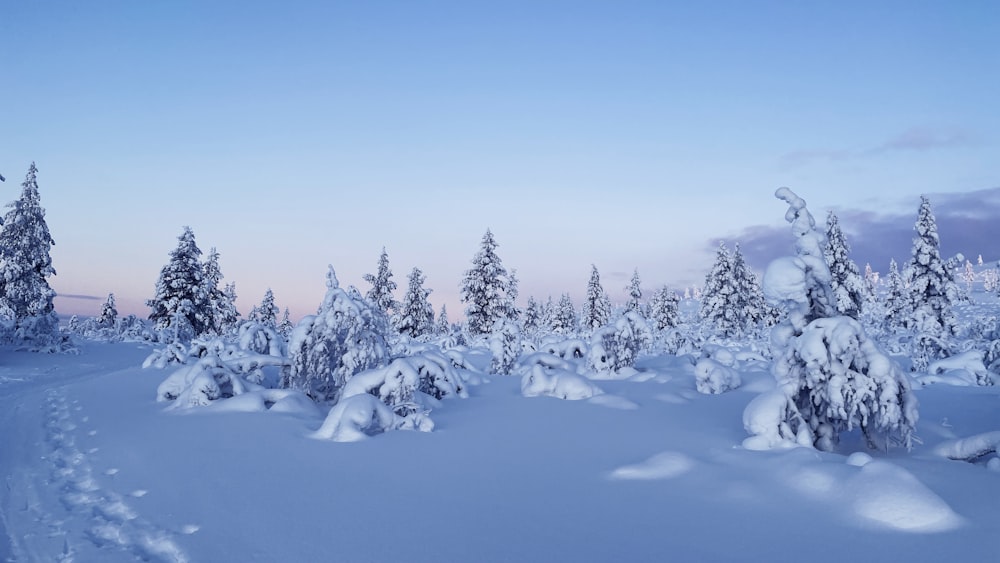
(97, 470)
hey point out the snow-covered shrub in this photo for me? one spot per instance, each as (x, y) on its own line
(557, 382)
(357, 417)
(831, 376)
(616, 346)
(713, 377)
(564, 348)
(347, 336)
(972, 448)
(206, 380)
(505, 344)
(397, 384)
(678, 342)
(261, 338)
(967, 366)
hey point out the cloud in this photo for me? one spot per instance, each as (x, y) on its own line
(913, 139)
(78, 296)
(967, 223)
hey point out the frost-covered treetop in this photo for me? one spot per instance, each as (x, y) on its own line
(808, 241)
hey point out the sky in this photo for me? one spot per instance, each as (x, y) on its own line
(627, 135)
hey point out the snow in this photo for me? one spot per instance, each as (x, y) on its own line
(95, 469)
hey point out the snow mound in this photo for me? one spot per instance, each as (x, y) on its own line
(888, 495)
(614, 402)
(557, 383)
(666, 465)
(859, 459)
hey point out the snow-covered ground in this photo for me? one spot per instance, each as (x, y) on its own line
(95, 469)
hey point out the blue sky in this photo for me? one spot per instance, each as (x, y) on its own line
(623, 134)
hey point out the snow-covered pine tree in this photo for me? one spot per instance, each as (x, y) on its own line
(179, 289)
(563, 319)
(848, 288)
(26, 265)
(416, 316)
(932, 291)
(227, 316)
(532, 319)
(831, 377)
(664, 308)
(634, 292)
(443, 326)
(285, 327)
(596, 305)
(898, 306)
(748, 302)
(382, 285)
(267, 311)
(109, 314)
(717, 298)
(215, 306)
(345, 337)
(486, 288)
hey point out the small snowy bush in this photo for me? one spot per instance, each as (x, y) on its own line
(617, 346)
(505, 344)
(712, 377)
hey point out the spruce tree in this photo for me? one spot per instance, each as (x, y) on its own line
(717, 298)
(533, 316)
(663, 308)
(179, 290)
(932, 289)
(748, 298)
(486, 289)
(382, 285)
(109, 314)
(26, 264)
(416, 316)
(564, 317)
(634, 292)
(443, 325)
(285, 327)
(227, 316)
(596, 306)
(214, 297)
(267, 311)
(897, 299)
(848, 288)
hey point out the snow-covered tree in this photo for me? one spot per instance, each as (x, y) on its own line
(898, 306)
(382, 285)
(732, 303)
(345, 337)
(831, 376)
(227, 316)
(748, 299)
(285, 327)
(443, 324)
(596, 305)
(179, 289)
(533, 317)
(848, 289)
(618, 344)
(26, 265)
(267, 312)
(562, 319)
(486, 288)
(932, 291)
(217, 308)
(664, 308)
(505, 346)
(109, 314)
(416, 316)
(634, 292)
